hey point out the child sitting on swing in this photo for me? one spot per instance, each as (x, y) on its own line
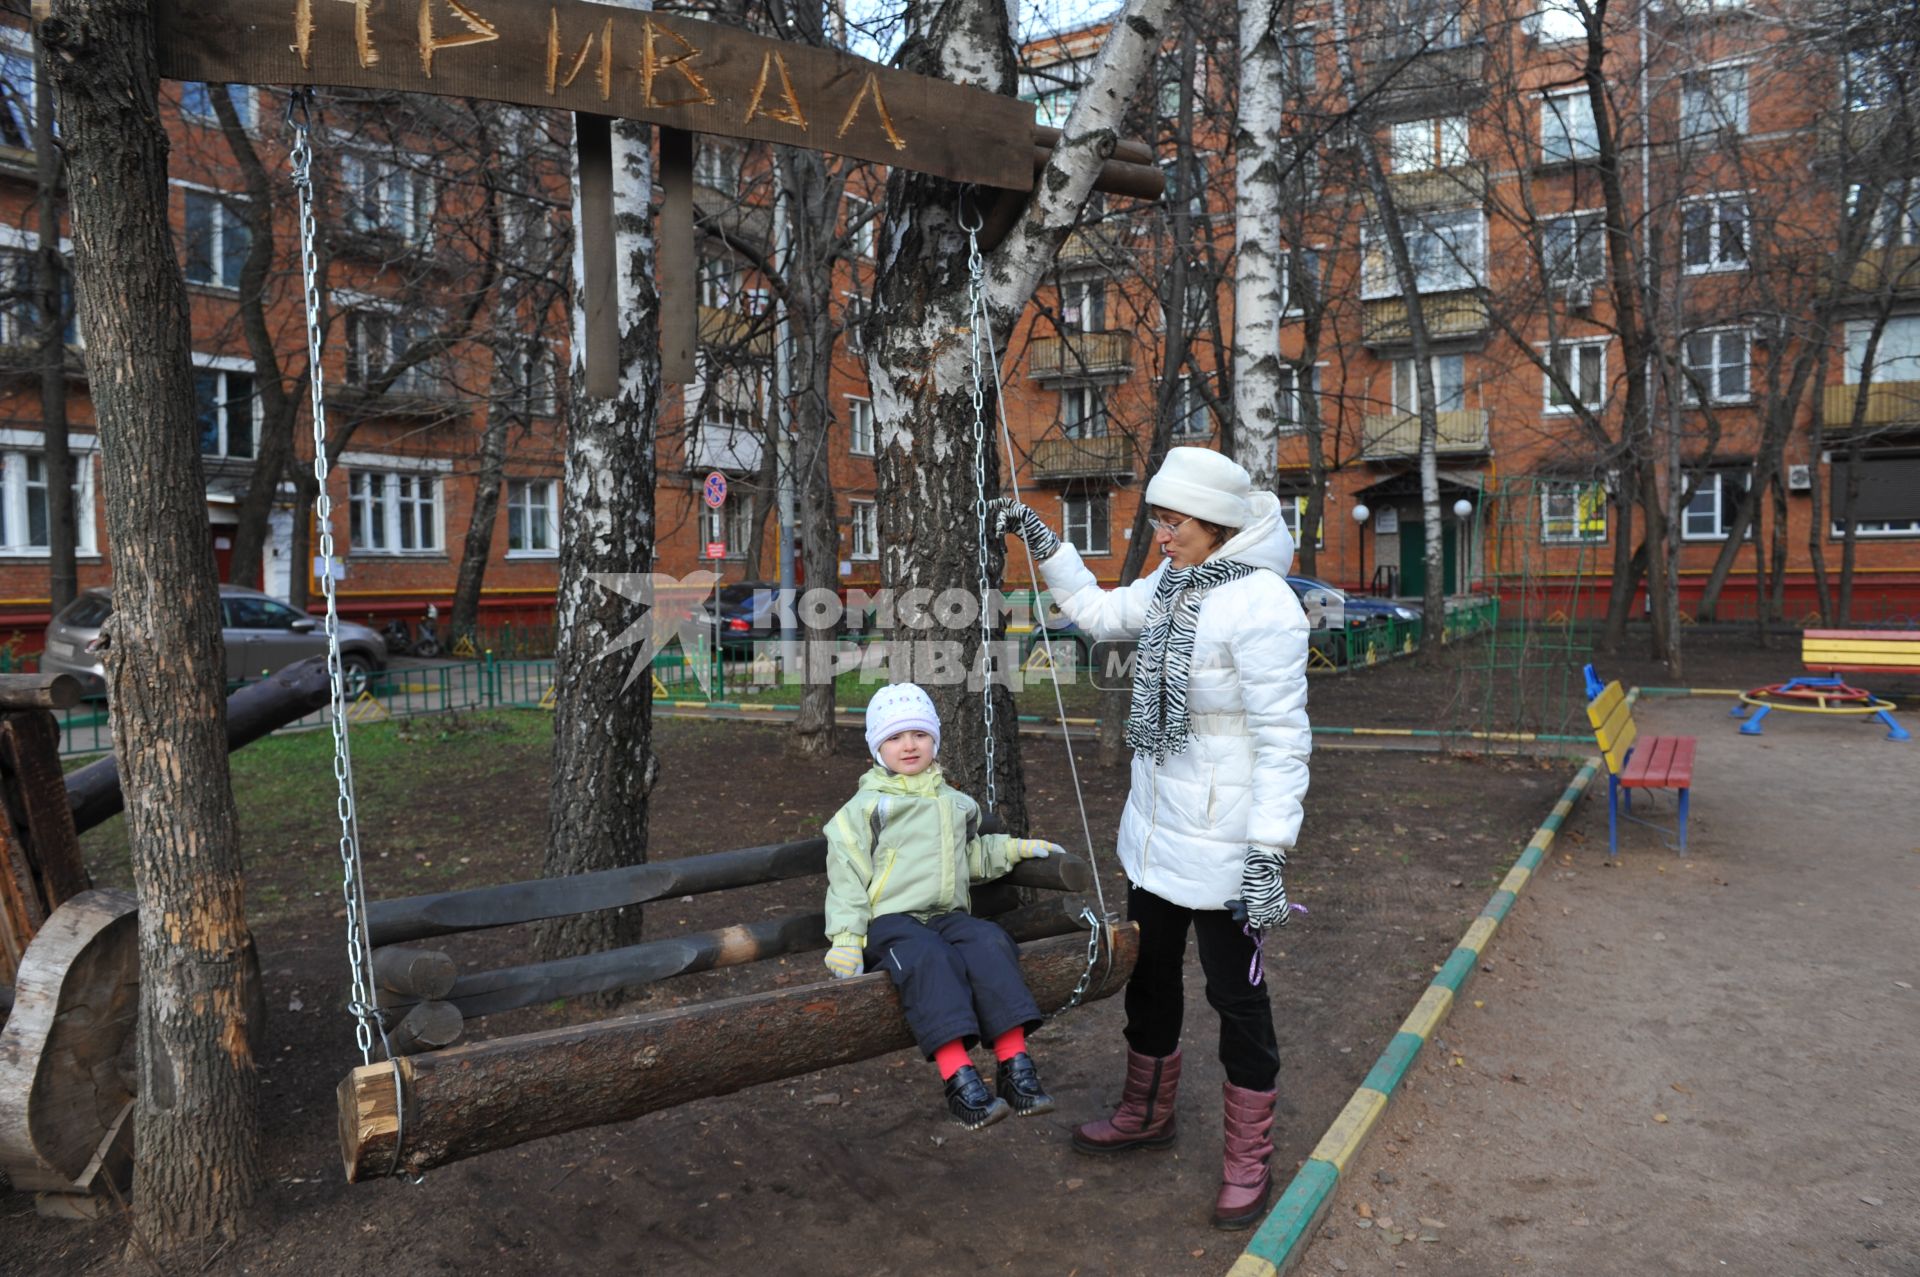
(900, 856)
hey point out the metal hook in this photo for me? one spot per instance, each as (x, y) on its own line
(300, 108)
(969, 203)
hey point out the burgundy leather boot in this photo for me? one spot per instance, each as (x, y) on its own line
(1245, 1181)
(1144, 1118)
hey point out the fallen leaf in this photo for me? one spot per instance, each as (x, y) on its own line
(1073, 1184)
(1901, 984)
(1339, 1265)
(1873, 1201)
(1363, 1223)
(1458, 1062)
(1428, 1237)
(1683, 1090)
(1660, 1117)
(1477, 1004)
(1363, 1210)
(1428, 1221)
(831, 1097)
(1198, 1252)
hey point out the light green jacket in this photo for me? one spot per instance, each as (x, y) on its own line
(905, 844)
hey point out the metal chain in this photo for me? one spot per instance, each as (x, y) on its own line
(977, 325)
(352, 878)
(1096, 932)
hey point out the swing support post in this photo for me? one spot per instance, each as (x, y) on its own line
(484, 1096)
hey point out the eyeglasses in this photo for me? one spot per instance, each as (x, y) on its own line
(1162, 525)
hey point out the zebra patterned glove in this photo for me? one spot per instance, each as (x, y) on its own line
(1005, 515)
(1263, 888)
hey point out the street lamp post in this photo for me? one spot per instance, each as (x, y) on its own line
(1360, 516)
(1463, 510)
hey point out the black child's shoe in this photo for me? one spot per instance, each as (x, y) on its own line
(1019, 1085)
(970, 1102)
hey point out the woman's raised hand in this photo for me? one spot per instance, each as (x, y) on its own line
(1005, 515)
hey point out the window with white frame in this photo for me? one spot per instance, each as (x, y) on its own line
(1447, 251)
(1716, 498)
(716, 166)
(16, 89)
(1437, 24)
(1300, 280)
(1894, 219)
(1293, 511)
(860, 439)
(385, 195)
(25, 518)
(731, 525)
(1577, 376)
(1186, 184)
(1418, 146)
(1896, 355)
(1713, 100)
(1555, 21)
(217, 240)
(863, 227)
(1573, 513)
(196, 101)
(20, 297)
(853, 316)
(1718, 361)
(1573, 249)
(1299, 71)
(533, 518)
(1191, 419)
(1299, 398)
(1872, 75)
(535, 377)
(377, 339)
(1449, 384)
(1083, 304)
(1882, 496)
(1713, 233)
(225, 408)
(718, 282)
(393, 511)
(1084, 520)
(1082, 412)
(1567, 130)
(866, 531)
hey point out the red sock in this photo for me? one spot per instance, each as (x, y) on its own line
(951, 1058)
(1010, 1043)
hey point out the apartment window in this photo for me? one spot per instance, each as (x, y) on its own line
(860, 427)
(731, 526)
(1299, 71)
(196, 101)
(718, 283)
(1437, 24)
(24, 517)
(1186, 184)
(1579, 376)
(1299, 398)
(1574, 250)
(227, 412)
(386, 197)
(1420, 145)
(1713, 233)
(1573, 513)
(1873, 75)
(716, 166)
(1712, 100)
(1555, 21)
(217, 241)
(866, 530)
(1894, 221)
(1896, 357)
(533, 518)
(16, 92)
(1567, 130)
(1449, 384)
(1716, 499)
(1085, 520)
(863, 227)
(1886, 495)
(1719, 361)
(1083, 305)
(1055, 105)
(20, 299)
(1190, 417)
(535, 375)
(1300, 280)
(378, 339)
(393, 511)
(1293, 511)
(1448, 252)
(1082, 412)
(853, 314)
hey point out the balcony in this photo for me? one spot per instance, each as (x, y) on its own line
(716, 445)
(1392, 436)
(1088, 246)
(1879, 267)
(1103, 456)
(1450, 316)
(731, 328)
(1080, 355)
(1889, 403)
(420, 391)
(1461, 187)
(1410, 76)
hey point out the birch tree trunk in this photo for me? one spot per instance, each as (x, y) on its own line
(919, 366)
(1259, 257)
(196, 1160)
(603, 761)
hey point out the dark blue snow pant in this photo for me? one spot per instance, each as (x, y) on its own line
(958, 976)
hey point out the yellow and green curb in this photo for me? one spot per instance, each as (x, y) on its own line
(1281, 1239)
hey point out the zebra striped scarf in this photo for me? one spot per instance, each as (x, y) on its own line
(1157, 721)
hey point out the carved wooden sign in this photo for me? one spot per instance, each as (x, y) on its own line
(596, 59)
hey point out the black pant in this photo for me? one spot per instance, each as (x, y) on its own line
(958, 976)
(1155, 995)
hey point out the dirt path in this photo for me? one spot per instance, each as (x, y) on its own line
(1680, 1066)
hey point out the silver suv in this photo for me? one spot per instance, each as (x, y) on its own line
(262, 635)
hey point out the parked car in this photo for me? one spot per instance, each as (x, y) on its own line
(262, 635)
(1330, 607)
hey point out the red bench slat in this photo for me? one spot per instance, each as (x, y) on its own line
(1665, 762)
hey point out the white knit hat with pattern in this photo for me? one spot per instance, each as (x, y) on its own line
(900, 707)
(1203, 483)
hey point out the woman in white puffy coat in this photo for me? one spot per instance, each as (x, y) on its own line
(1219, 730)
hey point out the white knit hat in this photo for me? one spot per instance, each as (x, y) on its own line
(900, 707)
(1204, 484)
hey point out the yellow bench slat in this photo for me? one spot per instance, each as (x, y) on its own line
(1613, 727)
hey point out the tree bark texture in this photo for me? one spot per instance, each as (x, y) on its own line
(197, 1160)
(487, 1096)
(63, 527)
(603, 760)
(1259, 257)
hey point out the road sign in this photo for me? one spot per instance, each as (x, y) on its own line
(716, 549)
(714, 491)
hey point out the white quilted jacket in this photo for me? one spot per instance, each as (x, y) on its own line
(1243, 776)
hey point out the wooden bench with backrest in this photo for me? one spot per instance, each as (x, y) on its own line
(1656, 762)
(1861, 651)
(1830, 653)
